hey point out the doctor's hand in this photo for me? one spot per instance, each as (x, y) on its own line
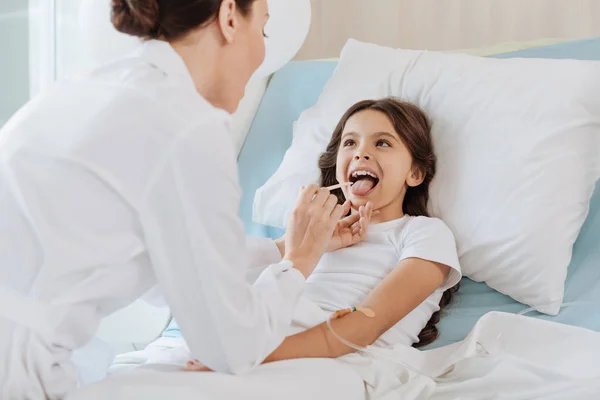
(351, 229)
(311, 226)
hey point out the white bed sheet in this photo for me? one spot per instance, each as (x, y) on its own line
(305, 379)
(505, 356)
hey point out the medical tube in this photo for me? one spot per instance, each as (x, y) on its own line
(373, 352)
(384, 356)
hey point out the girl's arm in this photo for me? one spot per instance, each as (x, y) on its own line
(407, 286)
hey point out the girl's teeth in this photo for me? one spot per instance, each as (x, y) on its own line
(363, 173)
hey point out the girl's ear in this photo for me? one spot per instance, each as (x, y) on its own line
(415, 177)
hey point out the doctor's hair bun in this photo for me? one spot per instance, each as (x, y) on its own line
(136, 17)
(167, 19)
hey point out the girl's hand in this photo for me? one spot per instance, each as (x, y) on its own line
(352, 229)
(310, 227)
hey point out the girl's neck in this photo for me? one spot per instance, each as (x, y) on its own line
(386, 215)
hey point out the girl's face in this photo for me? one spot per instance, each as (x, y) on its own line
(373, 156)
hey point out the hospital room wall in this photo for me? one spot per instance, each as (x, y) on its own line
(14, 56)
(445, 24)
(40, 41)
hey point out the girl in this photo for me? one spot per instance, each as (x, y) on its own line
(406, 268)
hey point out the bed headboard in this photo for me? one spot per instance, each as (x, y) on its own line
(446, 24)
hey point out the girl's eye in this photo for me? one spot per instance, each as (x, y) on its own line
(383, 143)
(348, 142)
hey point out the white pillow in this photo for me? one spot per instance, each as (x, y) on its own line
(517, 142)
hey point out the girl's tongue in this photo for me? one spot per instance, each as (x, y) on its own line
(362, 186)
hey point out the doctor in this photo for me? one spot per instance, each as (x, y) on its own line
(126, 179)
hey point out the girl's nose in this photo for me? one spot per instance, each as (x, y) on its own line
(357, 157)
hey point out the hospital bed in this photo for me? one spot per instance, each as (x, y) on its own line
(264, 133)
(297, 87)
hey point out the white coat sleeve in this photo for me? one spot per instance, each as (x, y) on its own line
(261, 253)
(197, 247)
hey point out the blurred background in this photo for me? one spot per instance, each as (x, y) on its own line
(446, 24)
(40, 40)
(38, 43)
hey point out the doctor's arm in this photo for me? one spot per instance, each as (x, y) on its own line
(197, 248)
(262, 252)
(407, 286)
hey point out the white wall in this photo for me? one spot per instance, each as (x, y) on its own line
(71, 57)
(446, 24)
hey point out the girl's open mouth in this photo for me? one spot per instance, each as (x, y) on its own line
(363, 182)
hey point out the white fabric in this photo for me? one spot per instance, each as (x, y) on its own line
(345, 277)
(517, 152)
(307, 379)
(260, 254)
(109, 185)
(505, 357)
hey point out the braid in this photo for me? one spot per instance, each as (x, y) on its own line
(430, 333)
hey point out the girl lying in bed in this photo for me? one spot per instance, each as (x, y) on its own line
(404, 267)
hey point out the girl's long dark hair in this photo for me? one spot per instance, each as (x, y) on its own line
(413, 128)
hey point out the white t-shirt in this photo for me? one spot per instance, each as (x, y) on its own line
(345, 277)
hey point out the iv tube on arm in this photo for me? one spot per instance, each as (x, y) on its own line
(374, 352)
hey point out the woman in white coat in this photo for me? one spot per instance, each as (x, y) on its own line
(126, 179)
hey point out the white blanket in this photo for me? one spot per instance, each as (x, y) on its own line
(505, 357)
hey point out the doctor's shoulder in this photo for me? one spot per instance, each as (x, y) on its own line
(168, 95)
(160, 99)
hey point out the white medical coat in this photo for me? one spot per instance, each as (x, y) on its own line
(109, 185)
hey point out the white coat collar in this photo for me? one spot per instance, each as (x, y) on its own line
(164, 57)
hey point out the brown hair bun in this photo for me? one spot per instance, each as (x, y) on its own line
(136, 17)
